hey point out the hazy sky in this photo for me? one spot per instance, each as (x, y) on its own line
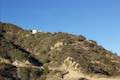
(96, 19)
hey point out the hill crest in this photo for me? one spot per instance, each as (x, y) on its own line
(54, 53)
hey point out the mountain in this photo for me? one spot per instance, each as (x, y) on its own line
(53, 56)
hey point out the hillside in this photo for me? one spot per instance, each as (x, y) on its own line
(53, 56)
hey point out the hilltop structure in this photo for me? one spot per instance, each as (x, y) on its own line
(34, 31)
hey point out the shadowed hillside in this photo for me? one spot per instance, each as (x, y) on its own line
(53, 56)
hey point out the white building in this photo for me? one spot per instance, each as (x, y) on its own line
(34, 31)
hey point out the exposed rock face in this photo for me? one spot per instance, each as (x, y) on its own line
(58, 44)
(53, 56)
(3, 60)
(70, 64)
(21, 63)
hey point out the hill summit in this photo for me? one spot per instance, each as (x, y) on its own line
(53, 56)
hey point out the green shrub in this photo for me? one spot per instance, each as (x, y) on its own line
(36, 73)
(24, 73)
(18, 55)
(46, 70)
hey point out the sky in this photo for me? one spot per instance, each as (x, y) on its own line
(95, 19)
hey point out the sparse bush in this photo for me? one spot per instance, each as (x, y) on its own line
(36, 73)
(18, 55)
(46, 70)
(81, 38)
(24, 73)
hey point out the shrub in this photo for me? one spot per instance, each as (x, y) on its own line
(81, 38)
(46, 69)
(24, 73)
(36, 73)
(18, 55)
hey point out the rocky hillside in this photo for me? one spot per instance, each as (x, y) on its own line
(53, 56)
